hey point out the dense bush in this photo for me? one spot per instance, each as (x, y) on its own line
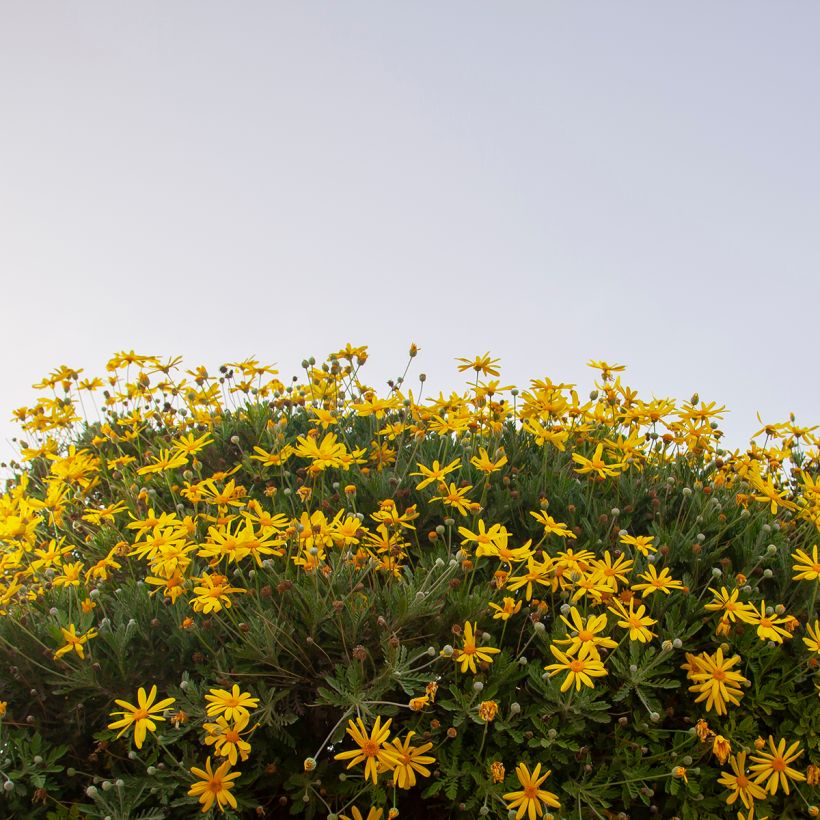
(231, 594)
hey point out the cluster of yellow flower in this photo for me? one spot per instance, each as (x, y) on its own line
(187, 553)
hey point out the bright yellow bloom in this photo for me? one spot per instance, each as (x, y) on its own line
(453, 496)
(715, 681)
(729, 604)
(530, 798)
(470, 653)
(355, 814)
(655, 581)
(508, 608)
(166, 460)
(585, 633)
(642, 543)
(769, 627)
(597, 465)
(214, 786)
(370, 751)
(435, 473)
(580, 669)
(813, 641)
(74, 642)
(481, 364)
(739, 783)
(772, 768)
(227, 740)
(484, 463)
(142, 717)
(636, 622)
(408, 760)
(213, 593)
(807, 567)
(232, 705)
(551, 526)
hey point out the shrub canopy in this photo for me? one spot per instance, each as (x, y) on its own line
(221, 592)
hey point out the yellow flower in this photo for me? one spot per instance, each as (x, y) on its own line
(484, 463)
(214, 786)
(715, 681)
(642, 543)
(769, 627)
(585, 633)
(408, 760)
(4, 705)
(509, 607)
(435, 473)
(773, 767)
(227, 739)
(370, 751)
(231, 705)
(455, 497)
(729, 604)
(355, 814)
(636, 622)
(597, 465)
(529, 799)
(680, 772)
(481, 364)
(580, 669)
(551, 526)
(497, 771)
(470, 653)
(655, 581)
(142, 717)
(74, 642)
(806, 568)
(739, 783)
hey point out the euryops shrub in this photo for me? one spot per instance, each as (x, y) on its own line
(227, 593)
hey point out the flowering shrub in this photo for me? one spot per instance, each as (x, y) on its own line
(235, 595)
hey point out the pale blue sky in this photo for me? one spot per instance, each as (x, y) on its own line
(553, 182)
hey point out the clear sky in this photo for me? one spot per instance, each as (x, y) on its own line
(552, 182)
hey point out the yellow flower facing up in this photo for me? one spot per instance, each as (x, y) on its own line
(806, 567)
(769, 627)
(409, 761)
(435, 473)
(531, 798)
(772, 768)
(232, 705)
(373, 751)
(727, 602)
(642, 543)
(227, 740)
(74, 642)
(596, 465)
(586, 633)
(656, 581)
(214, 786)
(580, 669)
(485, 464)
(637, 622)
(716, 682)
(739, 783)
(143, 717)
(470, 653)
(455, 497)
